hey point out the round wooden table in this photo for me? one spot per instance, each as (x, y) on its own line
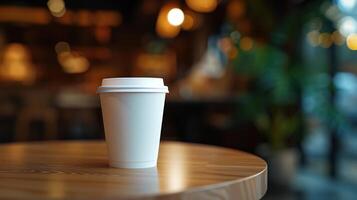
(79, 170)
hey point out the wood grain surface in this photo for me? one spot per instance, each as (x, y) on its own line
(79, 170)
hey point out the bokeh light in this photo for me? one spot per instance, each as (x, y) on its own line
(202, 5)
(73, 62)
(192, 20)
(62, 47)
(347, 25)
(325, 40)
(338, 38)
(333, 13)
(235, 36)
(163, 28)
(346, 5)
(233, 53)
(16, 64)
(57, 7)
(226, 45)
(175, 16)
(246, 43)
(313, 38)
(352, 42)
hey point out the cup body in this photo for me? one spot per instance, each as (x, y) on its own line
(132, 124)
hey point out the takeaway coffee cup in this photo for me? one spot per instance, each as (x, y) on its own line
(132, 111)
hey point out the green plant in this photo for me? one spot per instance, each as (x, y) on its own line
(272, 100)
(277, 73)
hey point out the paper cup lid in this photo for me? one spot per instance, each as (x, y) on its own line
(133, 84)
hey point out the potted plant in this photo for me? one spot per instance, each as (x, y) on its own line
(272, 103)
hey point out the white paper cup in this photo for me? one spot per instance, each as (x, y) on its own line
(132, 111)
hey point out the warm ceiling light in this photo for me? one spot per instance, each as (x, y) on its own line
(163, 27)
(202, 5)
(352, 41)
(175, 17)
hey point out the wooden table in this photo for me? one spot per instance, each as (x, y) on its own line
(79, 170)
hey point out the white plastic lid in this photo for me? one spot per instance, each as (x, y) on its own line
(133, 84)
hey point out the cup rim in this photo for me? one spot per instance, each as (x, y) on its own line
(102, 89)
(132, 84)
(136, 81)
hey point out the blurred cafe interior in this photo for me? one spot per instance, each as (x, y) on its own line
(274, 78)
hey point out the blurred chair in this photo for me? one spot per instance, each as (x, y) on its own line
(37, 108)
